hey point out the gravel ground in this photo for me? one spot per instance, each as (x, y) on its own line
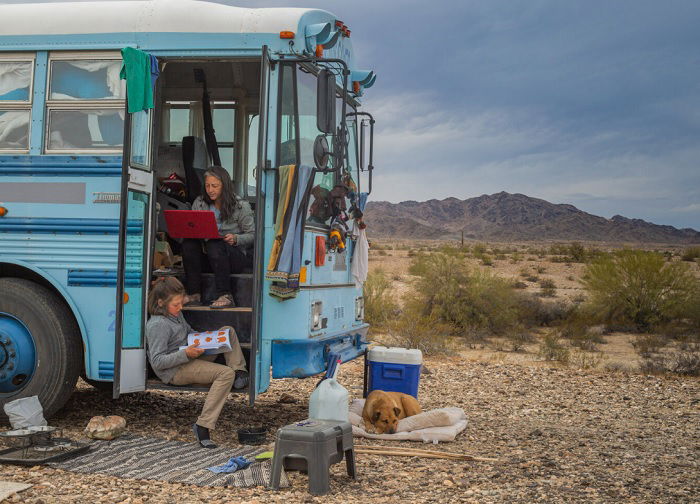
(561, 436)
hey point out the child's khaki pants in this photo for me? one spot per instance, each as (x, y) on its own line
(203, 371)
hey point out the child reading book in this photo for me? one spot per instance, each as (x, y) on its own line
(166, 332)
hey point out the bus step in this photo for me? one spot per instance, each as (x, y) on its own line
(159, 385)
(241, 286)
(203, 318)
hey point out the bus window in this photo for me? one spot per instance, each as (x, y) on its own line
(14, 129)
(224, 119)
(85, 105)
(15, 80)
(15, 103)
(178, 121)
(287, 124)
(252, 159)
(86, 80)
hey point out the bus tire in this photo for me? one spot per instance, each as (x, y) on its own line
(31, 312)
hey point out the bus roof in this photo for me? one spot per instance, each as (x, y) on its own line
(141, 16)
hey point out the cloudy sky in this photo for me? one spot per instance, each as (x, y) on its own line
(589, 102)
(594, 103)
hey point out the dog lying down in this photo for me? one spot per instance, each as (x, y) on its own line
(383, 410)
(440, 425)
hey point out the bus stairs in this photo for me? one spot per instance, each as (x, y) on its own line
(203, 318)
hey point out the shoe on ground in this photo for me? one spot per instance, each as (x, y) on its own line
(241, 380)
(201, 434)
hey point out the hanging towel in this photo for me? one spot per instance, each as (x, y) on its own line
(285, 262)
(140, 70)
(360, 257)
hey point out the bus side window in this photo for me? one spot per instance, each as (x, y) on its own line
(85, 106)
(15, 102)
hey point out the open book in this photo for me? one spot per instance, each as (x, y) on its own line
(213, 342)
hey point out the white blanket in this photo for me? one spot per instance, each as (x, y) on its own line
(432, 426)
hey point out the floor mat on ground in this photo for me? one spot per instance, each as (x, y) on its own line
(137, 457)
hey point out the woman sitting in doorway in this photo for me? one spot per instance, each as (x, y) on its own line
(230, 254)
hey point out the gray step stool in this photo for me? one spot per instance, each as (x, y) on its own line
(313, 445)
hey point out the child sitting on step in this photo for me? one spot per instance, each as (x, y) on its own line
(166, 332)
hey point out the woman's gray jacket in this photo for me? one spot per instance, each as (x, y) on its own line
(241, 223)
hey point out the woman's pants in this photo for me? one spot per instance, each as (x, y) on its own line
(224, 259)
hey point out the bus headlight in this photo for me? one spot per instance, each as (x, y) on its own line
(316, 311)
(359, 308)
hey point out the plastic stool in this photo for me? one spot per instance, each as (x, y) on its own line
(313, 445)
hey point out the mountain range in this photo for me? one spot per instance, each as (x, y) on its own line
(511, 217)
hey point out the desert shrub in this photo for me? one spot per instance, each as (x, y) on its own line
(467, 299)
(486, 260)
(678, 361)
(479, 248)
(518, 337)
(414, 329)
(532, 278)
(381, 252)
(585, 360)
(648, 344)
(532, 311)
(541, 269)
(691, 254)
(411, 253)
(380, 305)
(519, 285)
(552, 349)
(548, 288)
(639, 289)
(515, 258)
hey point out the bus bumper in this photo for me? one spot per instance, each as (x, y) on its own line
(302, 358)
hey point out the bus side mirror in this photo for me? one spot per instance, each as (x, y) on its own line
(325, 102)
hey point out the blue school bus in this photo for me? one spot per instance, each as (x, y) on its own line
(90, 161)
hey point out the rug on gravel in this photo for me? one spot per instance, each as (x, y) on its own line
(136, 457)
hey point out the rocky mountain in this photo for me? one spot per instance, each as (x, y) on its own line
(511, 217)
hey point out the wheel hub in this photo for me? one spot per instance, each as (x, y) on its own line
(17, 354)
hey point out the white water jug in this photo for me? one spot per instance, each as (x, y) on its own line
(329, 402)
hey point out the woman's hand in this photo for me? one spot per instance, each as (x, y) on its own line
(193, 351)
(231, 239)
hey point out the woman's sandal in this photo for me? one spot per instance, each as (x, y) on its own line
(193, 300)
(225, 301)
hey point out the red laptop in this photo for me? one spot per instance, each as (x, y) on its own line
(191, 224)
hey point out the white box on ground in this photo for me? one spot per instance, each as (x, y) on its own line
(212, 342)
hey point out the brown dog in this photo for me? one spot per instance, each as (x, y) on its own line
(383, 410)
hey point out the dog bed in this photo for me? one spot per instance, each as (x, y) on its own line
(432, 426)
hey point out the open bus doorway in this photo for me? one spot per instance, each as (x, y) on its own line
(180, 150)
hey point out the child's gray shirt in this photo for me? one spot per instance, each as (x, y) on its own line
(165, 335)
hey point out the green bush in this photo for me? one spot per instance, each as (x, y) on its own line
(414, 329)
(691, 254)
(552, 349)
(639, 289)
(380, 305)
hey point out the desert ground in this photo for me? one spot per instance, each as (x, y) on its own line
(599, 433)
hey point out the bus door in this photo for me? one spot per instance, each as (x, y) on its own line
(135, 240)
(259, 372)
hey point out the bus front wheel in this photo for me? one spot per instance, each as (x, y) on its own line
(40, 347)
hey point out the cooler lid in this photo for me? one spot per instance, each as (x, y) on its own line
(395, 355)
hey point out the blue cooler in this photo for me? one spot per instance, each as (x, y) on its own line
(394, 370)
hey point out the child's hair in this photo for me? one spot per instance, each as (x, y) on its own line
(163, 289)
